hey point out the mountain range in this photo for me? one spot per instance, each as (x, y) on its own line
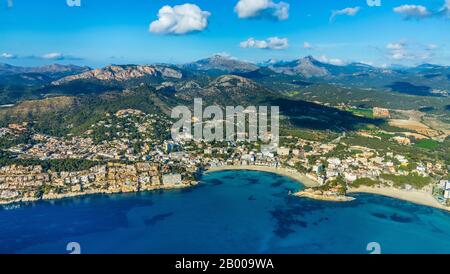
(18, 83)
(220, 64)
(122, 73)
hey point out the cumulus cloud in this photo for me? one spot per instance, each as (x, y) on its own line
(409, 52)
(53, 56)
(274, 43)
(420, 12)
(180, 19)
(47, 56)
(346, 11)
(431, 47)
(332, 61)
(399, 55)
(429, 51)
(225, 54)
(395, 46)
(397, 51)
(307, 45)
(7, 55)
(369, 63)
(258, 8)
(413, 11)
(445, 10)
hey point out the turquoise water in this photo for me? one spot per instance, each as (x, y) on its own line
(229, 212)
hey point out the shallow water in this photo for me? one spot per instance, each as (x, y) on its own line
(229, 212)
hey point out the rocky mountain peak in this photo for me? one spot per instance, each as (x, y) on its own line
(122, 73)
(221, 63)
(233, 81)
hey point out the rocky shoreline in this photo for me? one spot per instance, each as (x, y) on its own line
(311, 194)
(50, 197)
(33, 183)
(417, 197)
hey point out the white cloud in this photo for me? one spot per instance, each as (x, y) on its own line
(307, 45)
(413, 11)
(281, 10)
(53, 56)
(395, 46)
(399, 55)
(425, 55)
(7, 55)
(346, 11)
(432, 47)
(224, 54)
(47, 56)
(180, 19)
(274, 43)
(421, 12)
(369, 63)
(408, 52)
(397, 51)
(257, 8)
(445, 10)
(332, 61)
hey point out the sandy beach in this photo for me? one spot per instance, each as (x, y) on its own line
(299, 177)
(414, 196)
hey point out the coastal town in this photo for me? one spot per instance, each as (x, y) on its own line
(121, 155)
(211, 135)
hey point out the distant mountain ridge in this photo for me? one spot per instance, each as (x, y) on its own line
(122, 73)
(53, 68)
(221, 63)
(18, 83)
(307, 67)
(29, 76)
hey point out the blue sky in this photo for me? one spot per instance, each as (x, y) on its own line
(101, 32)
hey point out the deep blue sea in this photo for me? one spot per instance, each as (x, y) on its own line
(229, 212)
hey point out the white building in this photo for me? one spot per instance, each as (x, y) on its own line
(350, 177)
(334, 161)
(248, 157)
(318, 169)
(332, 173)
(283, 151)
(447, 194)
(402, 159)
(421, 168)
(447, 185)
(171, 179)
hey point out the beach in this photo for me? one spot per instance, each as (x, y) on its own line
(233, 212)
(413, 196)
(295, 175)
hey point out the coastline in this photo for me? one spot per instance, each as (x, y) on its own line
(413, 196)
(297, 176)
(52, 197)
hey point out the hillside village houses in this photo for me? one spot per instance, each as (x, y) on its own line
(157, 164)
